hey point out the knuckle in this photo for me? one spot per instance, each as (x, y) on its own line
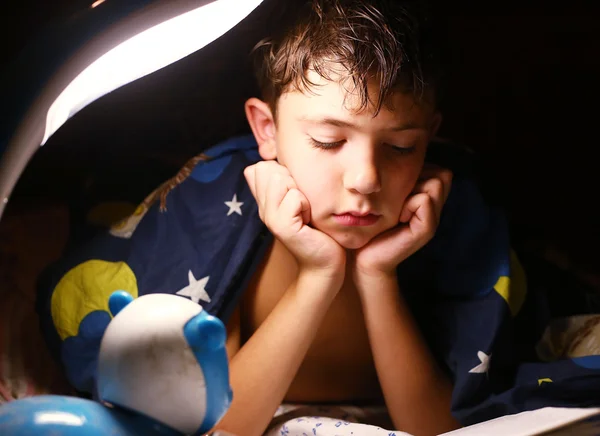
(248, 173)
(434, 186)
(436, 183)
(263, 167)
(268, 220)
(423, 198)
(294, 194)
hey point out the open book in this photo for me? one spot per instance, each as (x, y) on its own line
(549, 421)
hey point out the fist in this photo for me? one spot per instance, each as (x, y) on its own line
(286, 212)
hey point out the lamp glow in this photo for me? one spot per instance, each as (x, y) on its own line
(145, 53)
(97, 3)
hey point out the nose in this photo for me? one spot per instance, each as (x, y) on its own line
(362, 174)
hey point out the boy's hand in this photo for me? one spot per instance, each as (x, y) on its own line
(418, 222)
(286, 212)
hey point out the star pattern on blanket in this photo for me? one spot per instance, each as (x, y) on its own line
(196, 289)
(234, 205)
(484, 366)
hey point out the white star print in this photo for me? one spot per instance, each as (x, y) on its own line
(234, 206)
(195, 290)
(484, 365)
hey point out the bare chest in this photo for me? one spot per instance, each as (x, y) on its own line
(339, 365)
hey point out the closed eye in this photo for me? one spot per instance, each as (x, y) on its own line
(403, 150)
(325, 145)
(332, 145)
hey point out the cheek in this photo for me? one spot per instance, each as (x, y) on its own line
(400, 184)
(316, 179)
(313, 180)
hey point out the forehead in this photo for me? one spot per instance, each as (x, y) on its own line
(338, 97)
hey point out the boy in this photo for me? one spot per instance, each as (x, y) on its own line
(323, 307)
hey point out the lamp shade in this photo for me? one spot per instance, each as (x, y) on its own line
(91, 53)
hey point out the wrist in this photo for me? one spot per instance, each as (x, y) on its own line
(375, 281)
(319, 283)
(375, 275)
(325, 276)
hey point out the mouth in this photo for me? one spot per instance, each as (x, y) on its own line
(356, 219)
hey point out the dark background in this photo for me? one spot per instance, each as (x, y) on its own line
(522, 92)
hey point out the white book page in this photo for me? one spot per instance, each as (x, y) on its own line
(535, 422)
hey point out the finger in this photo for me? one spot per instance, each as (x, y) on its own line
(250, 175)
(433, 187)
(430, 171)
(264, 171)
(262, 174)
(277, 188)
(418, 212)
(446, 176)
(296, 206)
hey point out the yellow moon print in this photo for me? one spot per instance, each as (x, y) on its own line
(87, 288)
(126, 227)
(514, 288)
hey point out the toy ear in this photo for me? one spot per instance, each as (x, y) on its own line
(205, 332)
(117, 301)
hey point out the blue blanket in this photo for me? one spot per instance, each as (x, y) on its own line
(199, 236)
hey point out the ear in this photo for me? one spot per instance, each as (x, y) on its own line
(206, 332)
(436, 122)
(262, 123)
(117, 301)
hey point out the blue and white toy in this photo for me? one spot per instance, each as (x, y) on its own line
(163, 366)
(162, 370)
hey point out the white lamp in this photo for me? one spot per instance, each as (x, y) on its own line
(154, 36)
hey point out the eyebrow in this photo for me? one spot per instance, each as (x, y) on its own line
(328, 121)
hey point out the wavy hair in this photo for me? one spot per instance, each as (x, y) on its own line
(386, 41)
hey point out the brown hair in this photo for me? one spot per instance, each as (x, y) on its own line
(381, 40)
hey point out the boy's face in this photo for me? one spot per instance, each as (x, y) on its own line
(367, 166)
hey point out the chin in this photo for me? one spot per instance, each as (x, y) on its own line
(350, 238)
(351, 241)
